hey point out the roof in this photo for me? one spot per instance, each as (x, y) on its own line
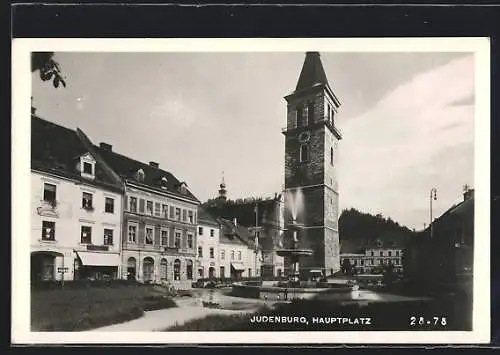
(56, 150)
(312, 72)
(206, 218)
(235, 234)
(244, 210)
(460, 209)
(127, 168)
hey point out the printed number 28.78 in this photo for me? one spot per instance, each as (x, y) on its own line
(433, 321)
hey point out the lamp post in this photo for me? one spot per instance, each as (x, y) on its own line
(432, 196)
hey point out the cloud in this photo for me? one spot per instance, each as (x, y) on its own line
(388, 155)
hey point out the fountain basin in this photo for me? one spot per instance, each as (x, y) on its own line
(294, 252)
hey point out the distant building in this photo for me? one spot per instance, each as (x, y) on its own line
(76, 204)
(448, 254)
(263, 219)
(239, 255)
(208, 240)
(159, 222)
(372, 258)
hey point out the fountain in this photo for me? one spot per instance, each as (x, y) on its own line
(297, 285)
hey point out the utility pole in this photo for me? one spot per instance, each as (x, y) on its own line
(432, 197)
(256, 240)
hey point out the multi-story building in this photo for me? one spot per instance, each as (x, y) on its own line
(446, 256)
(208, 240)
(371, 258)
(239, 255)
(264, 219)
(159, 222)
(76, 203)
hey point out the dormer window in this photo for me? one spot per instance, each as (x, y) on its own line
(87, 166)
(183, 188)
(139, 175)
(164, 182)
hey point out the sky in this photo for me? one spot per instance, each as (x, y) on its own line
(407, 120)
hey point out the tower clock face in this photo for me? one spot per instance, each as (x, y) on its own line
(304, 137)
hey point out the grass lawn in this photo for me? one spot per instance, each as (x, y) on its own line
(384, 316)
(81, 309)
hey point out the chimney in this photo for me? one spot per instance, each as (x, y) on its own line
(106, 146)
(468, 194)
(154, 164)
(235, 222)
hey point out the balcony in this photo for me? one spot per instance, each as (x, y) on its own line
(94, 247)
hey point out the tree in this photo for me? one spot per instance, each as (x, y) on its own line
(49, 69)
(346, 267)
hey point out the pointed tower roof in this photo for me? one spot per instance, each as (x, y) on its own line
(312, 72)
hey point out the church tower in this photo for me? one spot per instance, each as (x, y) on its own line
(311, 153)
(222, 189)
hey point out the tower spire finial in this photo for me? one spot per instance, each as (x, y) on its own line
(222, 190)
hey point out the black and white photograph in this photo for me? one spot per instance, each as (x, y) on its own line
(251, 189)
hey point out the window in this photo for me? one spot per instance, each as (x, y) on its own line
(200, 230)
(87, 168)
(397, 253)
(141, 205)
(109, 205)
(140, 175)
(157, 209)
(212, 232)
(249, 272)
(87, 201)
(149, 207)
(299, 115)
(239, 255)
(331, 156)
(49, 193)
(361, 262)
(132, 233)
(190, 241)
(304, 153)
(310, 112)
(108, 236)
(222, 272)
(212, 253)
(163, 269)
(381, 253)
(332, 117)
(86, 235)
(184, 215)
(133, 204)
(232, 254)
(177, 239)
(164, 211)
(355, 262)
(189, 269)
(171, 212)
(200, 252)
(164, 238)
(372, 253)
(48, 230)
(389, 253)
(223, 255)
(149, 236)
(190, 217)
(178, 214)
(177, 269)
(396, 262)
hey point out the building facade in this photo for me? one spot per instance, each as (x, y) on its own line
(239, 255)
(373, 259)
(208, 240)
(76, 206)
(159, 222)
(311, 155)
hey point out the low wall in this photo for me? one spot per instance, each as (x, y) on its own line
(243, 289)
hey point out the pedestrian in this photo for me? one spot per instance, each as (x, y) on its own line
(286, 294)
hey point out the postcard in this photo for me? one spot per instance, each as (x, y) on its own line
(271, 191)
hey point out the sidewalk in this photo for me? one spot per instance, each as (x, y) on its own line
(165, 318)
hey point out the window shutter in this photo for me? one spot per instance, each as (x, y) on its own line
(141, 205)
(172, 212)
(171, 237)
(157, 236)
(184, 215)
(141, 232)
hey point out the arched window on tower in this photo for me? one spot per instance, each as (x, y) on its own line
(331, 156)
(304, 153)
(310, 113)
(299, 116)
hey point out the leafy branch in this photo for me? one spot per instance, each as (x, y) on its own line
(48, 68)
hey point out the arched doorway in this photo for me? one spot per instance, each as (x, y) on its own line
(211, 272)
(163, 269)
(177, 269)
(148, 269)
(189, 269)
(43, 265)
(131, 269)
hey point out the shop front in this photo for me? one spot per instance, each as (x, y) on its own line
(96, 265)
